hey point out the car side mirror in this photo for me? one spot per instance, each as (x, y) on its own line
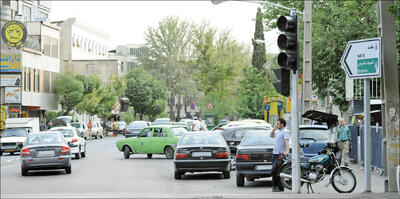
(20, 145)
(69, 143)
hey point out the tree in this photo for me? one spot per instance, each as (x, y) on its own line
(167, 57)
(110, 93)
(145, 93)
(89, 103)
(69, 91)
(259, 60)
(90, 83)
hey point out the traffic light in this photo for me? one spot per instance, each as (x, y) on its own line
(283, 84)
(288, 59)
(288, 41)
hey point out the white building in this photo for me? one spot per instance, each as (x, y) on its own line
(39, 58)
(128, 55)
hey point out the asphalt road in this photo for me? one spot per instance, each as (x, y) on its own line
(105, 173)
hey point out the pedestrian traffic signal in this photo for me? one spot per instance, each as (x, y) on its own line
(283, 84)
(288, 41)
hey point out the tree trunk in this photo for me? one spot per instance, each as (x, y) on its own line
(178, 108)
(141, 115)
(171, 107)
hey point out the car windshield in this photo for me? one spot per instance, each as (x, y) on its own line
(137, 125)
(18, 132)
(67, 133)
(178, 131)
(201, 138)
(317, 134)
(44, 138)
(76, 125)
(257, 138)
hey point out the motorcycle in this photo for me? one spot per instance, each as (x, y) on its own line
(316, 168)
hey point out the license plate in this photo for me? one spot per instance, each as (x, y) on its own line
(201, 154)
(46, 153)
(9, 150)
(263, 167)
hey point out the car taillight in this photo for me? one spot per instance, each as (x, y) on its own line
(222, 155)
(75, 140)
(242, 156)
(64, 149)
(127, 132)
(26, 151)
(181, 155)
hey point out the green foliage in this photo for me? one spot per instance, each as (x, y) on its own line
(69, 91)
(259, 60)
(51, 115)
(251, 94)
(90, 83)
(395, 10)
(127, 116)
(145, 93)
(89, 103)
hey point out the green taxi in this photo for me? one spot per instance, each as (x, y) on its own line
(160, 139)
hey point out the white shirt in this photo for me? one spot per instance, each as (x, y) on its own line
(196, 125)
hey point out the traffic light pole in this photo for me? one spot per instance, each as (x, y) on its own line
(294, 121)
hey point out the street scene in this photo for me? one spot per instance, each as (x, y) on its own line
(200, 99)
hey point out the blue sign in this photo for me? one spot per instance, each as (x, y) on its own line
(10, 63)
(267, 107)
(192, 106)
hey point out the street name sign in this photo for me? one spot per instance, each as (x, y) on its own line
(362, 58)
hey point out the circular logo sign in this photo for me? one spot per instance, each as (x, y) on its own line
(210, 106)
(14, 33)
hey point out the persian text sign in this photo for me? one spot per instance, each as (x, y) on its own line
(12, 95)
(10, 80)
(10, 63)
(362, 58)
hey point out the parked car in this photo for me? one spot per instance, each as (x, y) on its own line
(188, 121)
(254, 156)
(161, 121)
(67, 119)
(202, 151)
(81, 128)
(160, 139)
(183, 124)
(233, 135)
(97, 130)
(11, 140)
(73, 136)
(135, 127)
(47, 150)
(241, 123)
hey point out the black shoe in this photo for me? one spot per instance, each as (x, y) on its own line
(276, 190)
(282, 189)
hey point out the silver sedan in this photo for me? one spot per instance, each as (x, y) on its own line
(44, 151)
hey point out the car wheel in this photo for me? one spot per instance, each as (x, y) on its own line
(83, 154)
(227, 174)
(24, 172)
(1, 153)
(149, 155)
(250, 179)
(178, 175)
(169, 152)
(78, 155)
(68, 170)
(11, 153)
(127, 152)
(239, 180)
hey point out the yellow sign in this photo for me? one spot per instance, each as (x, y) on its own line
(2, 117)
(288, 104)
(10, 63)
(14, 33)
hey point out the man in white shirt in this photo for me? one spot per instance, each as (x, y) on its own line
(196, 124)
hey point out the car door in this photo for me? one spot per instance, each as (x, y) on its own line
(142, 142)
(159, 139)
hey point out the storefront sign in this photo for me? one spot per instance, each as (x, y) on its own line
(12, 95)
(14, 109)
(10, 63)
(14, 33)
(2, 117)
(10, 80)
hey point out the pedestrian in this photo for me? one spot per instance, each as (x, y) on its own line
(281, 146)
(42, 125)
(203, 126)
(196, 126)
(344, 139)
(49, 125)
(90, 126)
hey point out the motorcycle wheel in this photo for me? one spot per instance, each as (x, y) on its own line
(343, 178)
(286, 182)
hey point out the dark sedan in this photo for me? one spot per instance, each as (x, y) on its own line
(200, 152)
(254, 157)
(42, 151)
(134, 128)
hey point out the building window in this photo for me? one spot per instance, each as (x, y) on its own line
(43, 15)
(27, 79)
(46, 82)
(54, 48)
(27, 13)
(36, 80)
(46, 45)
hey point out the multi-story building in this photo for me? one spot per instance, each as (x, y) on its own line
(38, 63)
(128, 54)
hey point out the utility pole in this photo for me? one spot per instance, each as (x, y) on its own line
(389, 95)
(307, 61)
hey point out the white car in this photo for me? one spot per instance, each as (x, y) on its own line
(97, 130)
(11, 139)
(81, 127)
(73, 136)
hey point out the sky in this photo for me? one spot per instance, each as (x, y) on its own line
(126, 21)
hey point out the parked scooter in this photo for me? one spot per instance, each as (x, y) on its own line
(315, 169)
